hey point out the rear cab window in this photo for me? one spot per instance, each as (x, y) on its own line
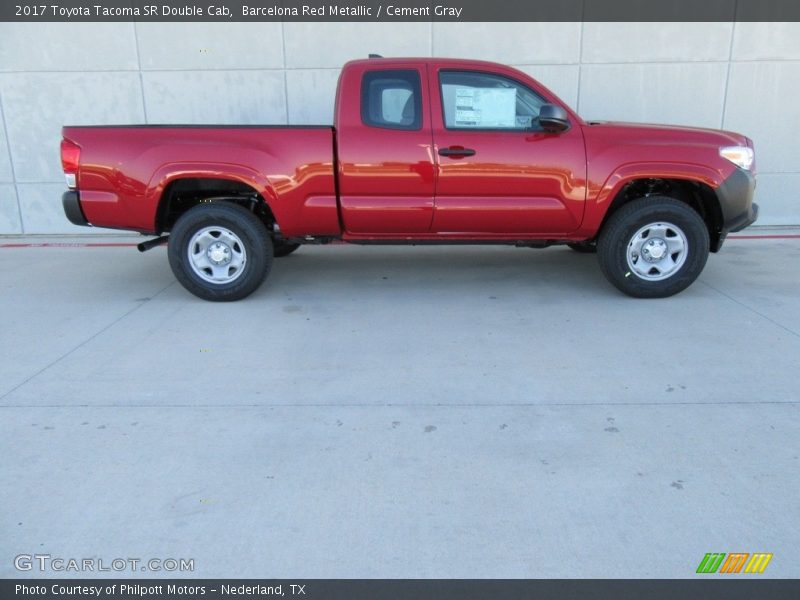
(391, 99)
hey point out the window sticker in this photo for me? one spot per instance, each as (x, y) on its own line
(486, 107)
(524, 122)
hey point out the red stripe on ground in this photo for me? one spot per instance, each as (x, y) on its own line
(70, 245)
(786, 236)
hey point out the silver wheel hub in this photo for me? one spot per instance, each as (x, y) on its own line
(217, 255)
(654, 250)
(657, 251)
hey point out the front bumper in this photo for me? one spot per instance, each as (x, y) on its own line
(736, 201)
(72, 208)
(745, 219)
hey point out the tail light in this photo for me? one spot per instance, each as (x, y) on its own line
(70, 159)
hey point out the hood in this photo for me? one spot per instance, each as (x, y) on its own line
(670, 134)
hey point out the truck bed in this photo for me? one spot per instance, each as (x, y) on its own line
(126, 168)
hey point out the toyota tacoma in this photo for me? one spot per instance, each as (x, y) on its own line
(421, 151)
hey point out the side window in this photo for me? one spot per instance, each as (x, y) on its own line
(391, 99)
(472, 100)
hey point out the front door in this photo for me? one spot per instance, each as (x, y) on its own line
(499, 173)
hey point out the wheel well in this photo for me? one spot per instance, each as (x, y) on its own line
(697, 195)
(183, 194)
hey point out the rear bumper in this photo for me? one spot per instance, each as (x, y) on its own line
(736, 201)
(72, 208)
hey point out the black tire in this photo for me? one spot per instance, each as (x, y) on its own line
(584, 247)
(240, 231)
(670, 218)
(282, 248)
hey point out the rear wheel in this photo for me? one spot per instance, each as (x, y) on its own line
(220, 251)
(653, 247)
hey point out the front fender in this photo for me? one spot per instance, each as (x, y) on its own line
(601, 195)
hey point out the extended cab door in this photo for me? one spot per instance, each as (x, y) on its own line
(385, 148)
(499, 172)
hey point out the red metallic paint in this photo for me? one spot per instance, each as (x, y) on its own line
(518, 183)
(392, 184)
(617, 153)
(130, 167)
(386, 176)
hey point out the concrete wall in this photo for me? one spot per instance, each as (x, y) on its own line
(742, 76)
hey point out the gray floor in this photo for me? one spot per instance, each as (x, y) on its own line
(400, 412)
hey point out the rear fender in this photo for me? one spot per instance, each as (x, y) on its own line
(172, 172)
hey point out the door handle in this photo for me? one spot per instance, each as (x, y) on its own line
(456, 151)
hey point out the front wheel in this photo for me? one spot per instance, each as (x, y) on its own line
(220, 251)
(653, 247)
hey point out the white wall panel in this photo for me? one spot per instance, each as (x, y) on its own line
(67, 46)
(311, 96)
(255, 73)
(763, 103)
(195, 46)
(6, 173)
(9, 210)
(766, 41)
(225, 97)
(38, 105)
(319, 45)
(681, 94)
(520, 43)
(655, 42)
(778, 198)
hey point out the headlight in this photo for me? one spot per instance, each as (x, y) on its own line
(741, 156)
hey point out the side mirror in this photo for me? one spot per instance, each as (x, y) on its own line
(553, 118)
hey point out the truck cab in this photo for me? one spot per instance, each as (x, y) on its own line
(454, 148)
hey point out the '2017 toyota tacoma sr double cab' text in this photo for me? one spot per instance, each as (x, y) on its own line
(421, 151)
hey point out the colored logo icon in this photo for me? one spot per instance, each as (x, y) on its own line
(735, 562)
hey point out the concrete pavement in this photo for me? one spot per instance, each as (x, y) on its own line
(400, 412)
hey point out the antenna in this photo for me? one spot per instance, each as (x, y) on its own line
(375, 56)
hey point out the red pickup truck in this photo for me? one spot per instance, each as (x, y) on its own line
(421, 151)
